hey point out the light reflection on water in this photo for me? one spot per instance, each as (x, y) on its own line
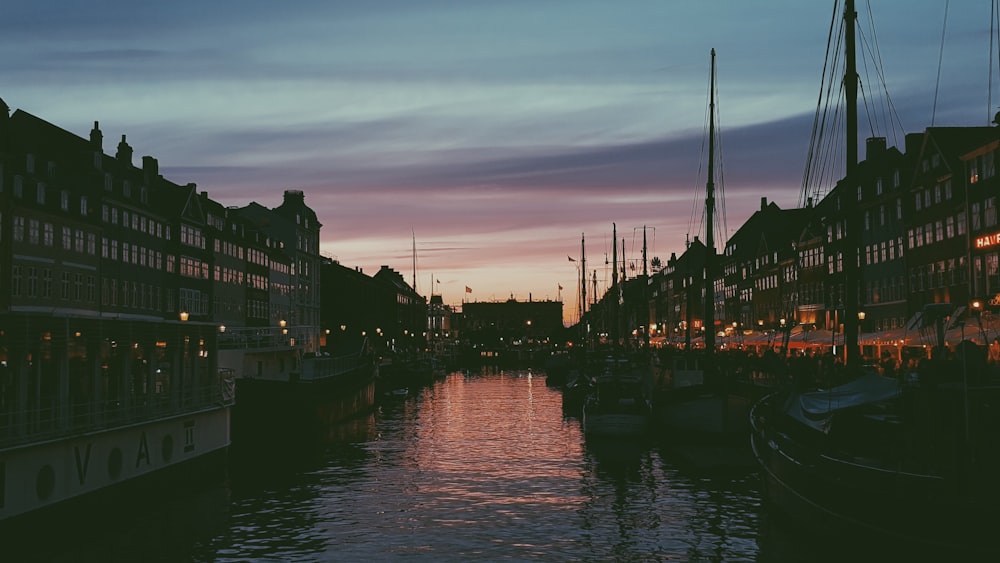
(483, 467)
(487, 466)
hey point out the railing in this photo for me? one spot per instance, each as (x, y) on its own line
(53, 420)
(322, 367)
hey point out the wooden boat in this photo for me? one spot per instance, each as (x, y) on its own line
(887, 463)
(619, 404)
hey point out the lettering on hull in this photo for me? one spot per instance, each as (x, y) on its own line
(82, 463)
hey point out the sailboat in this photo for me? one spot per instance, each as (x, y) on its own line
(619, 403)
(694, 404)
(883, 462)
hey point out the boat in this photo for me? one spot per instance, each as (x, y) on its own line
(557, 368)
(906, 464)
(286, 395)
(79, 418)
(619, 403)
(706, 424)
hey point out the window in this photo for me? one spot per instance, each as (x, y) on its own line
(78, 240)
(83, 205)
(40, 193)
(64, 200)
(46, 283)
(33, 231)
(49, 234)
(15, 280)
(67, 241)
(32, 282)
(918, 201)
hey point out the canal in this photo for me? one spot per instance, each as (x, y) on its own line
(473, 467)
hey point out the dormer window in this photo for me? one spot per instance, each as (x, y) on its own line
(143, 195)
(40, 193)
(64, 200)
(83, 205)
(30, 163)
(52, 169)
(126, 189)
(108, 182)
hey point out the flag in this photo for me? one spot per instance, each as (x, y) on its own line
(560, 287)
(439, 281)
(571, 259)
(468, 289)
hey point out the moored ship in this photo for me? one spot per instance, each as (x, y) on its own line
(87, 405)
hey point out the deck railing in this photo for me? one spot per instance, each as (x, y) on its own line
(54, 419)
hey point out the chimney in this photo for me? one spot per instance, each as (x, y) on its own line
(124, 154)
(150, 169)
(809, 202)
(913, 143)
(96, 138)
(763, 203)
(294, 197)
(874, 147)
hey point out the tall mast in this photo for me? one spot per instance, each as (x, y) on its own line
(709, 286)
(583, 275)
(414, 235)
(614, 282)
(852, 268)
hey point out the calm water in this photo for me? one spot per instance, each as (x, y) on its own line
(481, 467)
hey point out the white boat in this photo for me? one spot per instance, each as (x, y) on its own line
(100, 416)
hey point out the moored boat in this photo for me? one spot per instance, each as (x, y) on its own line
(82, 416)
(619, 403)
(886, 463)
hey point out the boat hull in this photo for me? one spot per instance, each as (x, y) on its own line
(839, 498)
(615, 425)
(286, 413)
(44, 475)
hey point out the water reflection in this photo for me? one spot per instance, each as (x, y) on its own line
(477, 466)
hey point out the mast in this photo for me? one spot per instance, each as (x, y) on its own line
(414, 260)
(853, 224)
(583, 275)
(614, 282)
(709, 228)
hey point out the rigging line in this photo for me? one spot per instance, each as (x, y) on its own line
(989, 85)
(937, 86)
(721, 226)
(880, 67)
(820, 115)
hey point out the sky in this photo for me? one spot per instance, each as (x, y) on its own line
(490, 135)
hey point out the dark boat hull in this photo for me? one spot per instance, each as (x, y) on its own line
(848, 501)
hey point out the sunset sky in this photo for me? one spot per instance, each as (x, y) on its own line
(493, 134)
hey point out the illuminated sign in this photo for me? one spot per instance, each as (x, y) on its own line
(987, 240)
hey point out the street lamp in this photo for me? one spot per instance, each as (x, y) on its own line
(184, 316)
